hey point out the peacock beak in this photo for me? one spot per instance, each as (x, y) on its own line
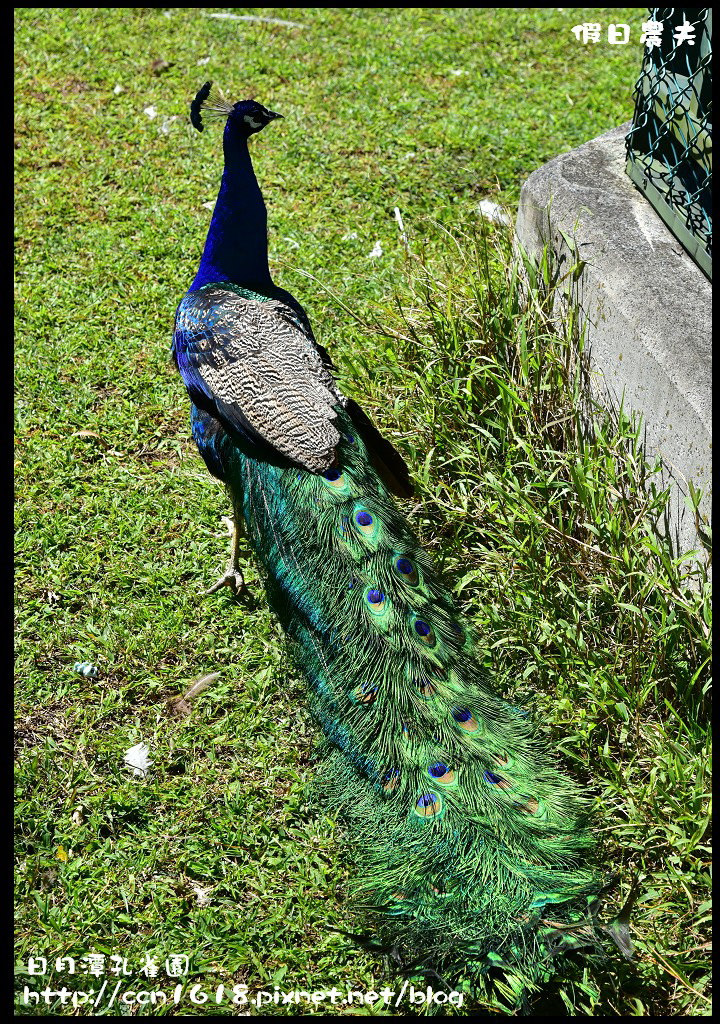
(273, 115)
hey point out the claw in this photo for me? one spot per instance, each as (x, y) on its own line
(233, 578)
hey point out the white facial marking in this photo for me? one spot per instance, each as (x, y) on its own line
(253, 124)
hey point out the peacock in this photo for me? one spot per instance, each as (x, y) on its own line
(468, 841)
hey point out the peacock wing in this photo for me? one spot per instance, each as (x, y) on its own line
(254, 365)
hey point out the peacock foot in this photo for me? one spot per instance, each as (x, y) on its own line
(232, 577)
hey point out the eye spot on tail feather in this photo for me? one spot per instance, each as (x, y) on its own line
(428, 806)
(441, 774)
(406, 571)
(423, 631)
(465, 720)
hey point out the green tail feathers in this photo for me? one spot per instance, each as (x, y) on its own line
(463, 828)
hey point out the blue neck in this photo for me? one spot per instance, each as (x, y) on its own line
(236, 245)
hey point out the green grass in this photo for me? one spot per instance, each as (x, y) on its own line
(546, 530)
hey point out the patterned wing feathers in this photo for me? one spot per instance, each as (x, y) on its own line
(262, 370)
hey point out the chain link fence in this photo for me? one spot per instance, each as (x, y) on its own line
(669, 147)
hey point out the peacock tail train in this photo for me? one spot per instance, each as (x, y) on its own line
(463, 828)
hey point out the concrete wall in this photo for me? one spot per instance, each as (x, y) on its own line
(646, 306)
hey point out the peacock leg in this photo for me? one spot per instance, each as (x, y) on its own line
(232, 577)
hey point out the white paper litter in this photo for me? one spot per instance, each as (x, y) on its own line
(86, 668)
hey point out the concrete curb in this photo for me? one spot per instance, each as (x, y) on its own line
(647, 309)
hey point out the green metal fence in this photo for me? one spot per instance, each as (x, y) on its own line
(669, 147)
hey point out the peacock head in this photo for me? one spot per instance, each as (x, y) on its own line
(246, 117)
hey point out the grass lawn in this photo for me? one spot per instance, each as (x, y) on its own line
(546, 532)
